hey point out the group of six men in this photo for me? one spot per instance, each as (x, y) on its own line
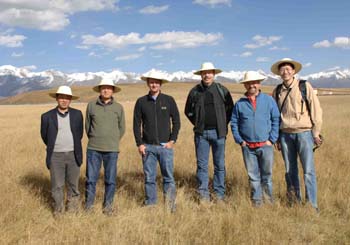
(291, 120)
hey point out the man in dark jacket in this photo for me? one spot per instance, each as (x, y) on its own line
(62, 131)
(156, 126)
(209, 106)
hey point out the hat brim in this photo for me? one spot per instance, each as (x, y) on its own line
(216, 71)
(54, 95)
(97, 88)
(144, 78)
(251, 80)
(275, 70)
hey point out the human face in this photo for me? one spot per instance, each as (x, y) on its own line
(63, 101)
(252, 87)
(208, 77)
(154, 85)
(287, 73)
(106, 92)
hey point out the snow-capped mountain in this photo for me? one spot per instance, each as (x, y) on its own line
(15, 80)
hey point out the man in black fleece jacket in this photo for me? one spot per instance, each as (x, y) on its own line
(156, 127)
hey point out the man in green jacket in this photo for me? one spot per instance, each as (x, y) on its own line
(105, 126)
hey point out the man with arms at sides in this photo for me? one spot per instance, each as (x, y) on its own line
(62, 131)
(301, 121)
(209, 107)
(104, 126)
(255, 126)
(156, 127)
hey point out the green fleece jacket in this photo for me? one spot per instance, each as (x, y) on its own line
(104, 125)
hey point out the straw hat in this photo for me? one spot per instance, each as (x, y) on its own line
(155, 75)
(207, 66)
(108, 82)
(64, 90)
(297, 65)
(252, 76)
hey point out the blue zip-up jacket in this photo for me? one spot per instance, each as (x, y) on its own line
(255, 126)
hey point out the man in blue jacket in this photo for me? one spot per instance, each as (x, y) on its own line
(62, 131)
(255, 125)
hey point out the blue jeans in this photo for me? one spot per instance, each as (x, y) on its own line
(202, 144)
(165, 157)
(259, 162)
(292, 145)
(94, 160)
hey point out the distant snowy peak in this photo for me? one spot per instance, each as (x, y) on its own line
(14, 80)
(339, 74)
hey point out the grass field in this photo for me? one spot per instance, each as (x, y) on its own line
(25, 207)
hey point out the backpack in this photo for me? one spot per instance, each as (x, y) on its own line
(303, 91)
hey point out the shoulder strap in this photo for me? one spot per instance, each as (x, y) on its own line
(221, 91)
(278, 91)
(303, 91)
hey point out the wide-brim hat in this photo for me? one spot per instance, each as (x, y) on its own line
(108, 82)
(296, 64)
(252, 76)
(64, 90)
(155, 75)
(207, 66)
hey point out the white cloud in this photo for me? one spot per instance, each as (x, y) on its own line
(322, 44)
(13, 41)
(154, 9)
(17, 55)
(60, 43)
(246, 54)
(141, 49)
(261, 41)
(279, 48)
(333, 68)
(212, 3)
(128, 57)
(82, 47)
(262, 59)
(47, 15)
(164, 40)
(339, 42)
(308, 64)
(342, 42)
(30, 68)
(93, 54)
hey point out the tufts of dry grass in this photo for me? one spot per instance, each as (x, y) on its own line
(25, 208)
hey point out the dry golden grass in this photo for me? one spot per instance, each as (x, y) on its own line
(25, 207)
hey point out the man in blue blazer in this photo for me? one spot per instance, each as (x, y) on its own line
(62, 131)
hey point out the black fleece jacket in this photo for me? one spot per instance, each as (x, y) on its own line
(157, 121)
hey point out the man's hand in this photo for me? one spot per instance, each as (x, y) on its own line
(278, 146)
(142, 150)
(267, 142)
(317, 140)
(243, 143)
(169, 145)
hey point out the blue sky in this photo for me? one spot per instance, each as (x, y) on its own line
(135, 36)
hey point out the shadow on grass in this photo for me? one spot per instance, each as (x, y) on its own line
(38, 185)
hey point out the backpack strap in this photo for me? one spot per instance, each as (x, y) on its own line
(278, 91)
(221, 91)
(303, 91)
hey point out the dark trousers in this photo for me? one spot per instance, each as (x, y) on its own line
(64, 169)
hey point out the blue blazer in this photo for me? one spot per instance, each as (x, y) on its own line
(49, 128)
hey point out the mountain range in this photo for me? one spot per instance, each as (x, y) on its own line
(15, 80)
